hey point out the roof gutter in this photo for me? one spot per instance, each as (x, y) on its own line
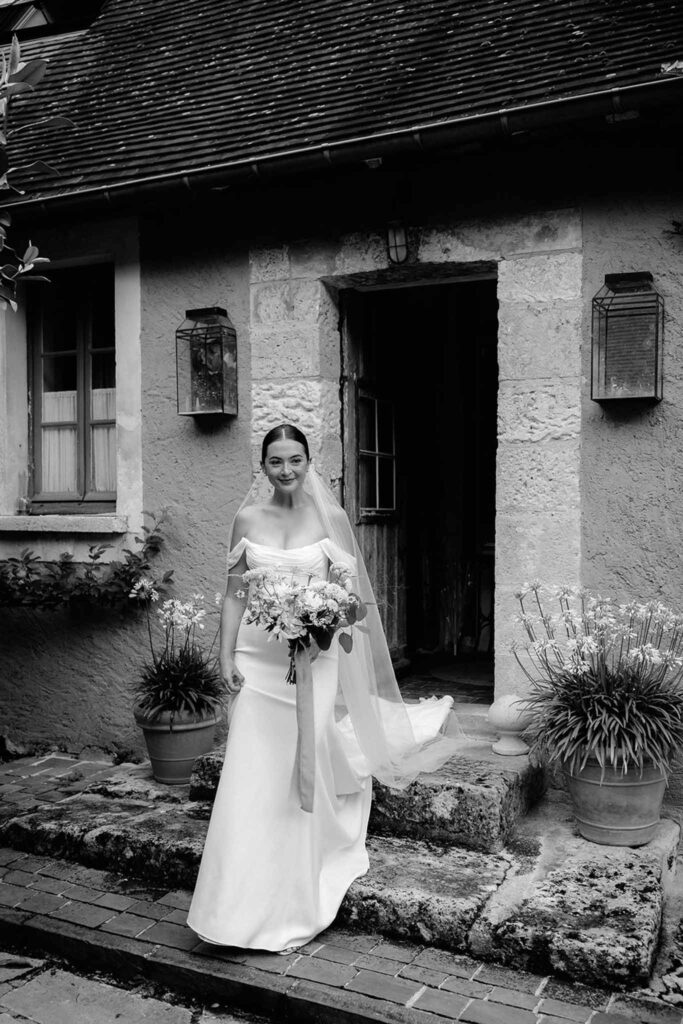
(503, 123)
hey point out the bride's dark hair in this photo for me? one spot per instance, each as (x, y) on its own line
(284, 432)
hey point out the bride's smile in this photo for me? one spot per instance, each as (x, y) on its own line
(286, 466)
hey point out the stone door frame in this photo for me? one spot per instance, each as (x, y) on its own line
(296, 368)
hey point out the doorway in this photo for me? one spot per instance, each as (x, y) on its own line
(420, 382)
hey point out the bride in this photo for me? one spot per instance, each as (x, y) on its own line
(277, 859)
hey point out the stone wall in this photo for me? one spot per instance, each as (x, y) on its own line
(67, 681)
(583, 494)
(295, 369)
(295, 348)
(632, 453)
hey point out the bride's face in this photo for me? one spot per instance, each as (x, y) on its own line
(286, 465)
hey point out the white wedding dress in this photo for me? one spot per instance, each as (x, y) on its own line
(273, 875)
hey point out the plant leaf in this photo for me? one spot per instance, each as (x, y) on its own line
(32, 72)
(346, 642)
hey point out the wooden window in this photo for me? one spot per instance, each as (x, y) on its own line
(376, 456)
(73, 391)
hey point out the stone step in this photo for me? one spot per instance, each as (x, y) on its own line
(578, 909)
(473, 720)
(475, 801)
(551, 903)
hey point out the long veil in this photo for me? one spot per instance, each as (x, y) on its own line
(369, 691)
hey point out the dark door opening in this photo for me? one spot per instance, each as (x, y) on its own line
(420, 386)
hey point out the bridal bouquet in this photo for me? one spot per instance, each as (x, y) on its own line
(299, 609)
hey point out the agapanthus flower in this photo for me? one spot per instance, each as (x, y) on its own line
(144, 590)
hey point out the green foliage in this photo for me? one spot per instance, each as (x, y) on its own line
(183, 680)
(31, 582)
(18, 78)
(626, 720)
(183, 676)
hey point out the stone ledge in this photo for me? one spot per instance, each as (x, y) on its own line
(578, 909)
(552, 903)
(51, 523)
(411, 890)
(415, 892)
(474, 801)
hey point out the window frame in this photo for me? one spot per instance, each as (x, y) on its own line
(378, 513)
(88, 501)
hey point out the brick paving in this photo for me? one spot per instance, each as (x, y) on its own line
(84, 912)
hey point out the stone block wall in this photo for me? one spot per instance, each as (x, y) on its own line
(295, 350)
(559, 458)
(295, 371)
(539, 424)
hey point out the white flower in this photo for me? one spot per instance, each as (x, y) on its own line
(144, 590)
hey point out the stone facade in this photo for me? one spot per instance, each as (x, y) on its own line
(295, 372)
(583, 495)
(70, 682)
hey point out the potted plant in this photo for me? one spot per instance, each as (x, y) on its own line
(179, 697)
(606, 703)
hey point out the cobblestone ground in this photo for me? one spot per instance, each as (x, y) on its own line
(102, 918)
(45, 991)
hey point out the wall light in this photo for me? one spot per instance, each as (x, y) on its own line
(397, 242)
(206, 363)
(628, 337)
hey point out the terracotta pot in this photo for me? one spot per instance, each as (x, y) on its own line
(616, 809)
(173, 751)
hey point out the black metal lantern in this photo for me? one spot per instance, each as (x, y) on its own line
(206, 363)
(397, 242)
(628, 336)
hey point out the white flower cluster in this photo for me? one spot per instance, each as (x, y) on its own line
(183, 615)
(590, 633)
(290, 605)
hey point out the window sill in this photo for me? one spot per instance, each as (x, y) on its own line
(64, 524)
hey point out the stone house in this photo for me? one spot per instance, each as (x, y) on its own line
(406, 211)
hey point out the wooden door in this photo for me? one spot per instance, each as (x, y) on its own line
(371, 483)
(419, 404)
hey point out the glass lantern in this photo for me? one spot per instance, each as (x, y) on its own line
(206, 363)
(628, 335)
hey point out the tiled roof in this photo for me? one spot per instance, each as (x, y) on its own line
(164, 87)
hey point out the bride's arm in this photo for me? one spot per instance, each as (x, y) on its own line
(231, 617)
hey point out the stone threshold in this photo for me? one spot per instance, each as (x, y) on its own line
(105, 920)
(549, 903)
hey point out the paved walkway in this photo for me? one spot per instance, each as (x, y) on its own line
(101, 918)
(41, 991)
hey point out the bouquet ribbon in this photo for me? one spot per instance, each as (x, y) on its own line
(305, 747)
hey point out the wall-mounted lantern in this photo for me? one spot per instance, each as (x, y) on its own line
(397, 242)
(628, 336)
(206, 363)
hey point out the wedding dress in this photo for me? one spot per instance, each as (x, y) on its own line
(273, 875)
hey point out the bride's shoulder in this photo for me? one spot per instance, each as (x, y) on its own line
(248, 517)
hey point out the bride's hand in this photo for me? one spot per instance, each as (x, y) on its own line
(313, 649)
(232, 677)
